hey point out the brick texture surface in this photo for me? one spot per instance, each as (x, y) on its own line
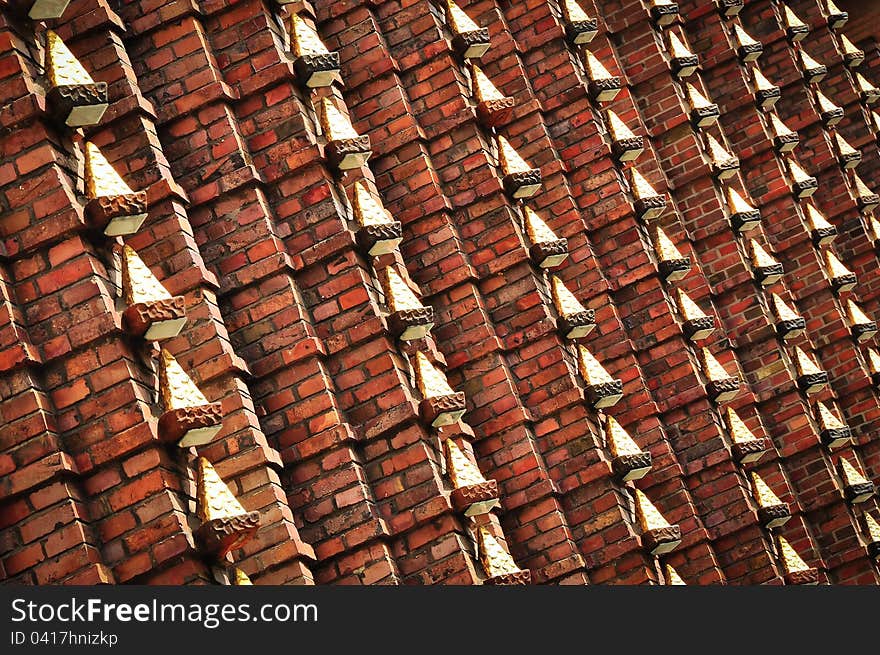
(288, 328)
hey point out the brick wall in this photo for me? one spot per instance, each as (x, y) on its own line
(324, 431)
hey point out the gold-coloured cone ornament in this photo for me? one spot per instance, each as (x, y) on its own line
(689, 309)
(866, 198)
(469, 39)
(441, 404)
(772, 512)
(565, 302)
(648, 516)
(240, 578)
(812, 69)
(696, 98)
(748, 48)
(378, 233)
(139, 285)
(177, 390)
(334, 123)
(739, 431)
(821, 231)
(795, 28)
(672, 577)
(736, 203)
(590, 368)
(617, 128)
(596, 70)
(536, 229)
(833, 432)
(112, 205)
(368, 210)
(188, 418)
(782, 310)
(483, 88)
(791, 561)
(345, 149)
(767, 269)
(629, 461)
(872, 527)
(720, 386)
(856, 487)
(625, 145)
(869, 92)
(545, 248)
(666, 249)
(462, 471)
(151, 311)
(746, 446)
(763, 493)
(101, 178)
(827, 419)
(509, 159)
(603, 86)
(74, 98)
(304, 40)
(601, 389)
(862, 327)
(619, 441)
(703, 113)
(658, 535)
(215, 500)
(225, 524)
(803, 184)
(409, 318)
(851, 475)
(677, 48)
(806, 365)
(459, 21)
(398, 295)
(472, 493)
(874, 365)
(315, 65)
(842, 279)
(724, 164)
(497, 563)
(712, 367)
(431, 382)
(697, 324)
(810, 377)
(648, 203)
(519, 179)
(784, 139)
(579, 27)
(836, 17)
(672, 265)
(830, 113)
(848, 156)
(62, 66)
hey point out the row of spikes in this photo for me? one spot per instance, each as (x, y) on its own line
(409, 319)
(152, 313)
(471, 42)
(629, 461)
(856, 487)
(605, 87)
(698, 325)
(810, 377)
(627, 148)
